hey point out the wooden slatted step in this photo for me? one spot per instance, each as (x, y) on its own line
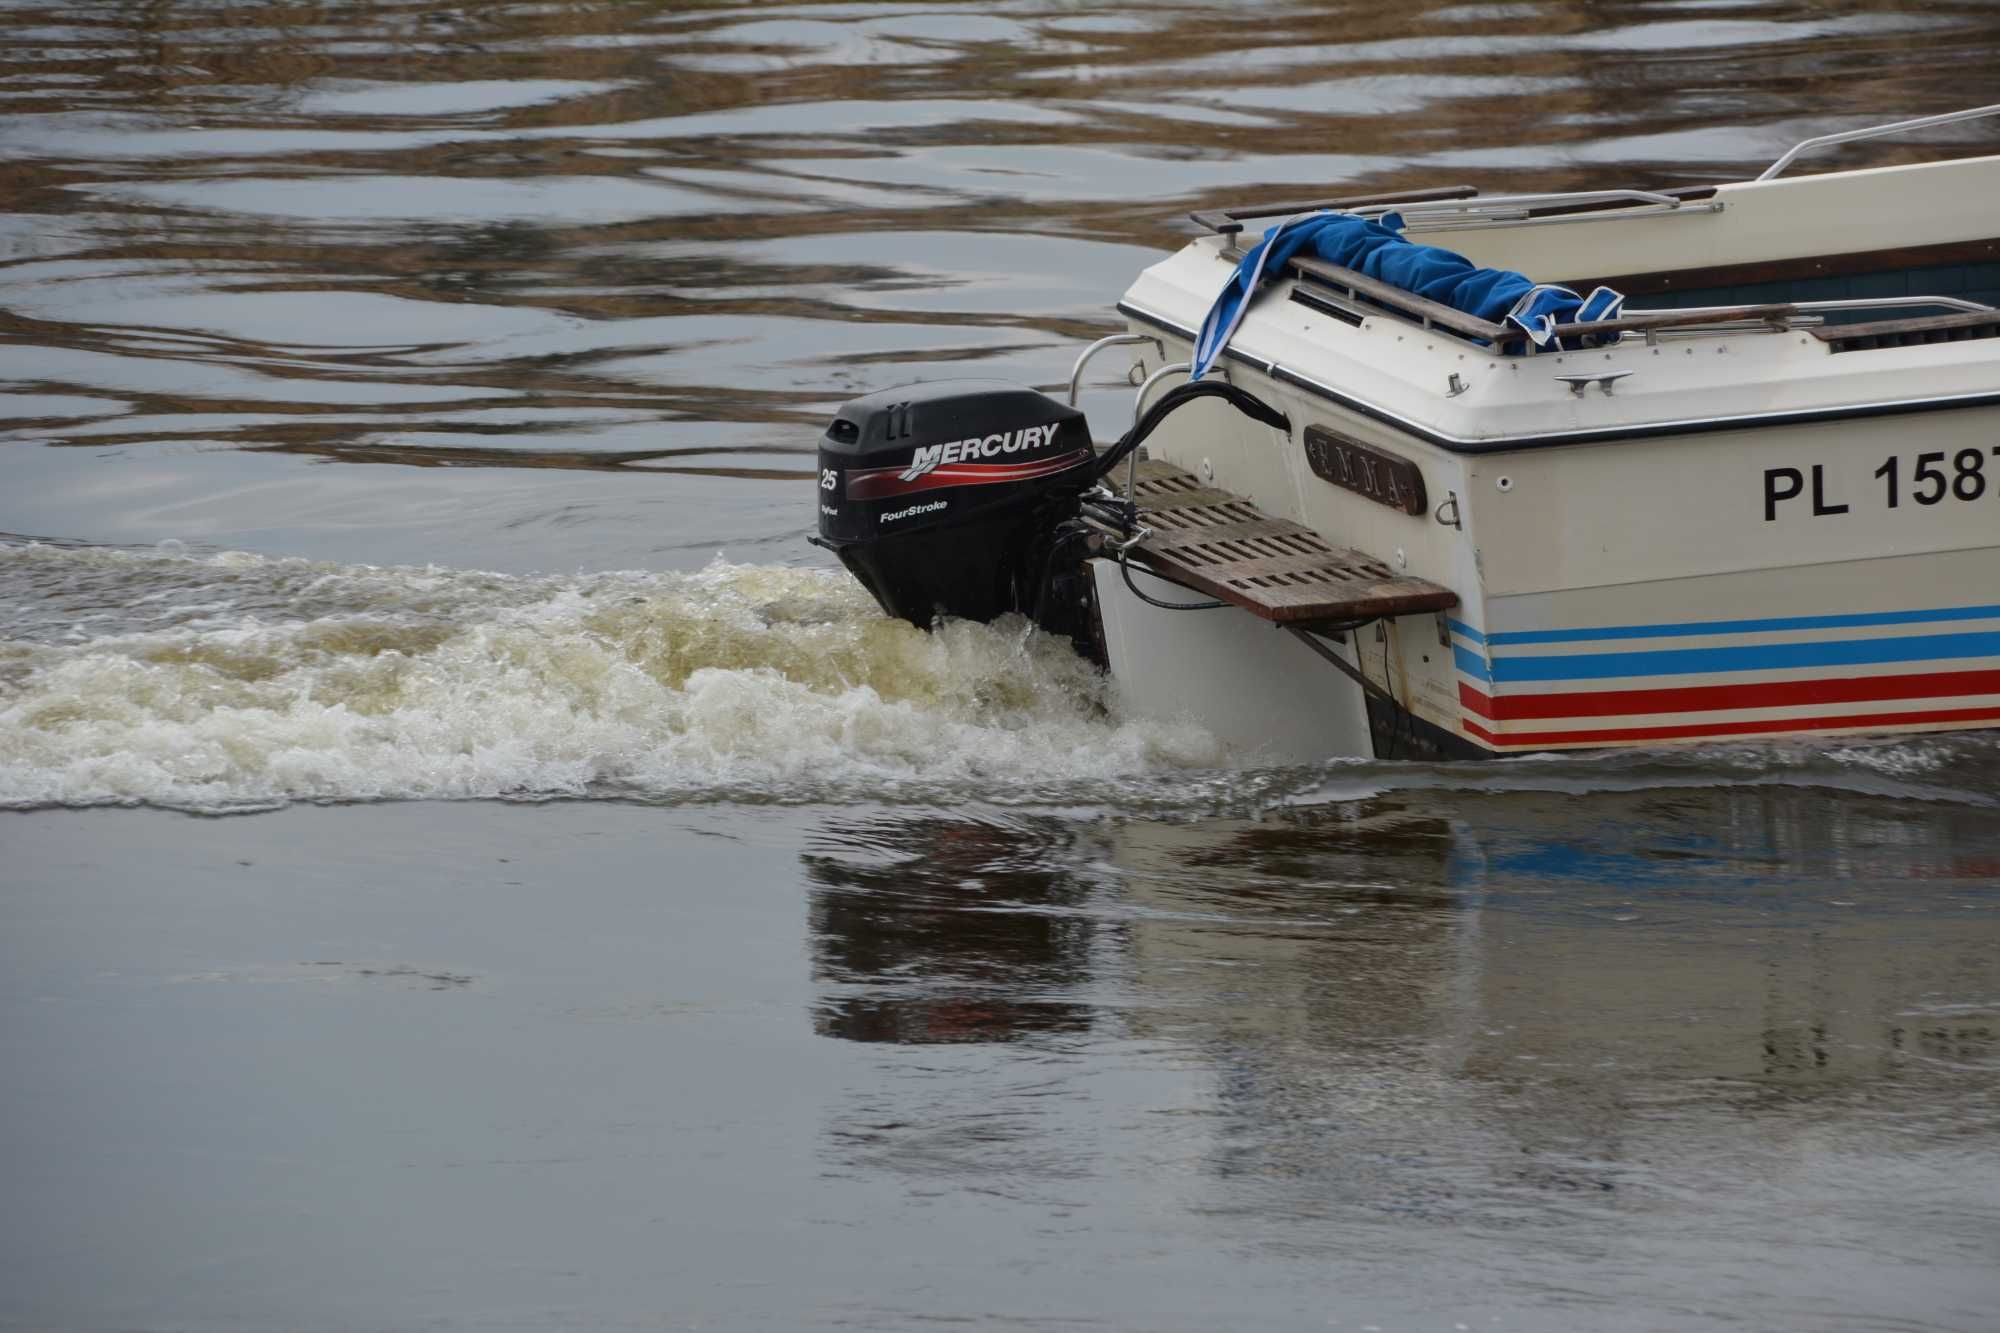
(1271, 567)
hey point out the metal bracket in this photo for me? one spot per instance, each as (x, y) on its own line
(1138, 535)
(1450, 502)
(1604, 379)
(1341, 664)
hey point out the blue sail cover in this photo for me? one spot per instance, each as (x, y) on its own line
(1379, 250)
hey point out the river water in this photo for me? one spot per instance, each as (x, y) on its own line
(467, 862)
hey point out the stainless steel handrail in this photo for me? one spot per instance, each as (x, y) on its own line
(1478, 202)
(1875, 132)
(1516, 210)
(1807, 307)
(1112, 340)
(1139, 409)
(1520, 218)
(1708, 321)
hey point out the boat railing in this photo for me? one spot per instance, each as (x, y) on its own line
(1463, 208)
(1354, 296)
(1360, 287)
(1780, 317)
(1874, 132)
(1981, 323)
(1541, 210)
(1964, 320)
(1229, 221)
(1085, 357)
(1451, 207)
(1862, 303)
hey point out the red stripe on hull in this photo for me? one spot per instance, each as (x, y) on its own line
(1692, 731)
(1713, 698)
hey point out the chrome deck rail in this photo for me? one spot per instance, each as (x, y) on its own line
(1520, 210)
(1875, 132)
(1111, 340)
(1361, 295)
(1777, 318)
(1139, 410)
(1229, 221)
(1359, 287)
(1808, 307)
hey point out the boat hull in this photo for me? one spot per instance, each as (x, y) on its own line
(1733, 522)
(1835, 577)
(1239, 677)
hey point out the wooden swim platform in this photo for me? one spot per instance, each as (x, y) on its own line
(1276, 569)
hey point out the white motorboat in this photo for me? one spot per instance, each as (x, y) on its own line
(1760, 499)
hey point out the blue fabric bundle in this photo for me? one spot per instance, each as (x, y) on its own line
(1379, 250)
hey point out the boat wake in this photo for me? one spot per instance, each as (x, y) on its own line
(219, 683)
(231, 682)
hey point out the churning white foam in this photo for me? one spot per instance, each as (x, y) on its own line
(234, 681)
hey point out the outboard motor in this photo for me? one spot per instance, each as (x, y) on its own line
(968, 498)
(957, 498)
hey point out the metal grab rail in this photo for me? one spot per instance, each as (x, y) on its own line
(1808, 307)
(1314, 273)
(1229, 221)
(1357, 286)
(1694, 319)
(1456, 210)
(1112, 340)
(1139, 410)
(1517, 210)
(1875, 132)
(1484, 201)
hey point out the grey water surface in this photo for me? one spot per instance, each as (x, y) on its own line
(466, 862)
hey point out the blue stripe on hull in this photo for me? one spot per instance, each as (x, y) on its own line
(1856, 621)
(1471, 663)
(1751, 657)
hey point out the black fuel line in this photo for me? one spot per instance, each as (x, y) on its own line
(1249, 404)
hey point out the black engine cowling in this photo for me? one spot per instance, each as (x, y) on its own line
(958, 498)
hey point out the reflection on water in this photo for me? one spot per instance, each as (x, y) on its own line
(1680, 1013)
(948, 930)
